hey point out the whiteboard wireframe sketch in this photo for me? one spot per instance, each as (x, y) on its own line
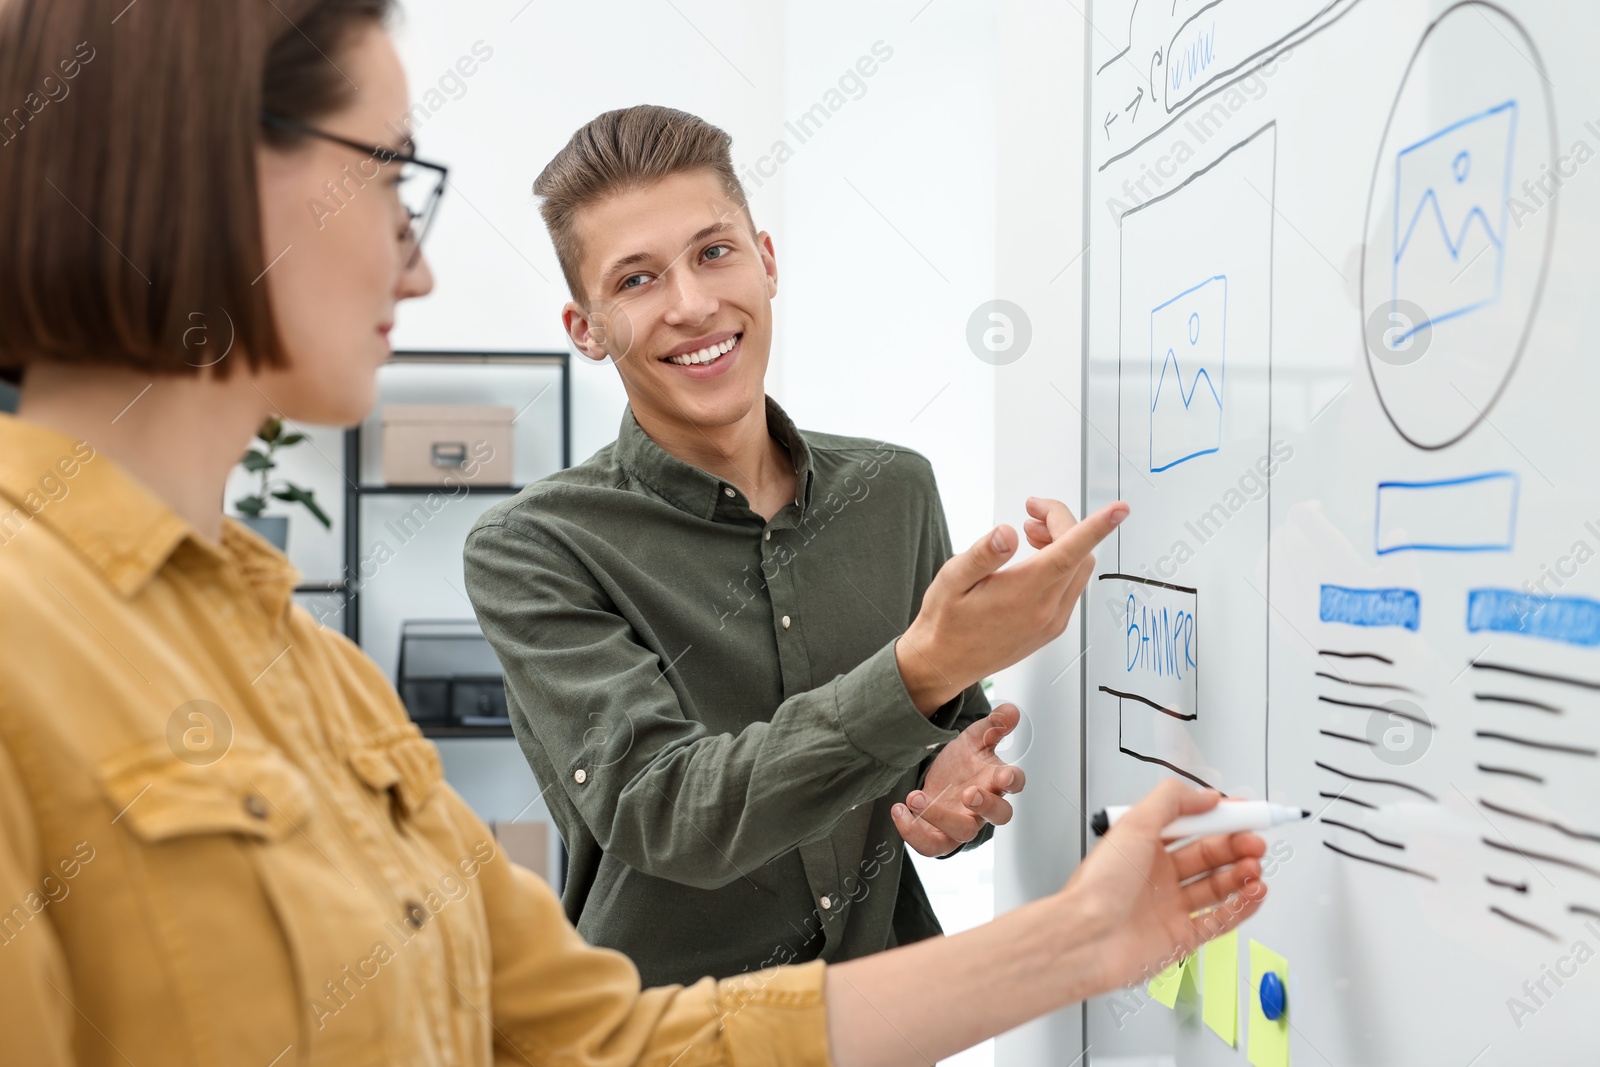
(1194, 356)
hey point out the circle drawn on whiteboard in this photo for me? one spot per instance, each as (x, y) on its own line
(1459, 227)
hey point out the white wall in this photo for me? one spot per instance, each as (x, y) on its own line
(886, 239)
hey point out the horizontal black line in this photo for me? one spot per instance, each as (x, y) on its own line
(1501, 698)
(1169, 766)
(1364, 685)
(1346, 737)
(1517, 887)
(1147, 702)
(1543, 676)
(1578, 835)
(1368, 833)
(1379, 781)
(1349, 800)
(1150, 581)
(1419, 720)
(1535, 927)
(1355, 655)
(1380, 863)
(1548, 746)
(1512, 771)
(1559, 861)
(1583, 909)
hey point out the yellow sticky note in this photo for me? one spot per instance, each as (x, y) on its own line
(1170, 983)
(1219, 1006)
(1269, 1039)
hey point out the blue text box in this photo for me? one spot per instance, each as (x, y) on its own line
(1372, 607)
(1569, 619)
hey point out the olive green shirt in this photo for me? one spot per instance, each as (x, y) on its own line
(710, 701)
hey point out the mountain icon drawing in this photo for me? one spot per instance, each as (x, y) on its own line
(1188, 351)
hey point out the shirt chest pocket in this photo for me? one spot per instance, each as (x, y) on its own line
(273, 935)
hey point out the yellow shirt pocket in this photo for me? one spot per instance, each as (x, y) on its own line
(274, 933)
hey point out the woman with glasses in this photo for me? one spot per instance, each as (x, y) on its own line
(221, 840)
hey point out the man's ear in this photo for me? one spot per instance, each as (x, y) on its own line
(586, 338)
(769, 262)
(599, 333)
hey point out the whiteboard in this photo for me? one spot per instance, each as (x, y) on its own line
(1342, 362)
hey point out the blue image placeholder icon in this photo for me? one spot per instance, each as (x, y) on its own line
(1188, 355)
(1272, 996)
(1452, 205)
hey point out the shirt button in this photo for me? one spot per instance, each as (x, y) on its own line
(786, 622)
(767, 536)
(827, 903)
(727, 492)
(580, 776)
(416, 915)
(255, 806)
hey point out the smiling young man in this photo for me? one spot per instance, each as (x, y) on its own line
(740, 657)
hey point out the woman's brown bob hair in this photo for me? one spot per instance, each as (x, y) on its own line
(128, 199)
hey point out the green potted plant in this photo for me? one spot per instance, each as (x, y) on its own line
(262, 462)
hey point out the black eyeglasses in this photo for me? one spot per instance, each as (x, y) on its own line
(420, 210)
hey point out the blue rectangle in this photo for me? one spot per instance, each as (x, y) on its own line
(1476, 513)
(1372, 607)
(1569, 619)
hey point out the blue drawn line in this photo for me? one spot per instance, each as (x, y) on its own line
(1372, 607)
(1504, 544)
(1172, 361)
(1194, 60)
(1454, 245)
(1569, 619)
(1214, 385)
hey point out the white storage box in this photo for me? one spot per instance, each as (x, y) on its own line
(424, 444)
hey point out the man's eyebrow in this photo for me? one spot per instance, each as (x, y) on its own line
(645, 257)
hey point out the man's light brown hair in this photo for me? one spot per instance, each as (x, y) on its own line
(621, 151)
(128, 194)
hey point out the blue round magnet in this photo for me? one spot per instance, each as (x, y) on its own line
(1272, 996)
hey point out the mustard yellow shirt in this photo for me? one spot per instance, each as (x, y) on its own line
(223, 842)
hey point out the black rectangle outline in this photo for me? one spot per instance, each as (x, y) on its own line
(1272, 300)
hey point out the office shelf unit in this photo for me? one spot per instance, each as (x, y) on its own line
(361, 489)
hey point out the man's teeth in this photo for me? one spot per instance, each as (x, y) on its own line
(705, 355)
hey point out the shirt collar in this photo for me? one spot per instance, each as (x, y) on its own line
(112, 519)
(696, 491)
